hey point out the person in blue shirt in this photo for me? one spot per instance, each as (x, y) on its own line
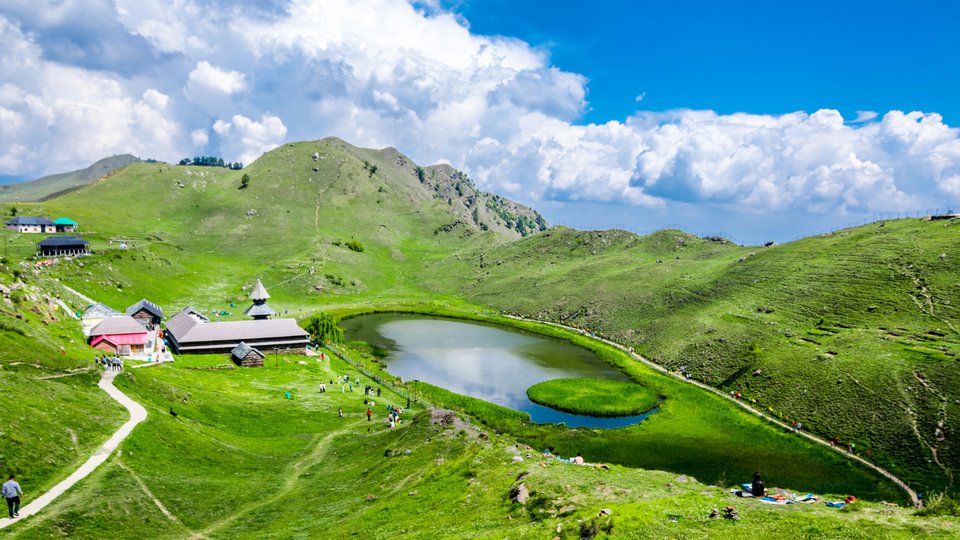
(12, 492)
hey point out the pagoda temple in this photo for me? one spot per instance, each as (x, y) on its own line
(259, 310)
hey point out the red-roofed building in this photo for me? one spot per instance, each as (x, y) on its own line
(121, 335)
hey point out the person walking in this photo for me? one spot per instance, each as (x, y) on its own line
(339, 412)
(12, 492)
(369, 413)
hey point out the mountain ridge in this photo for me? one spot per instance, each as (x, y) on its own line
(54, 185)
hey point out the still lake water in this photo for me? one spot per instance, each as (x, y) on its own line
(490, 362)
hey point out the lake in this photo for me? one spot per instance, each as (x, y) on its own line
(490, 362)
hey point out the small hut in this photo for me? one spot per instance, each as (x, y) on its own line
(146, 313)
(65, 225)
(246, 356)
(63, 246)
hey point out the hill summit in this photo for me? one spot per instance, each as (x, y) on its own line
(53, 185)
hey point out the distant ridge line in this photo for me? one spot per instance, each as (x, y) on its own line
(875, 218)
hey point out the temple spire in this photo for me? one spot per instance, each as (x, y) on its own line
(259, 309)
(259, 292)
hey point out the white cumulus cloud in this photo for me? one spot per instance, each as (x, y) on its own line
(248, 139)
(415, 76)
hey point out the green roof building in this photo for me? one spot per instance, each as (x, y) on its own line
(65, 224)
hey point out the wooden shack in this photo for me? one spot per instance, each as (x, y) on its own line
(146, 313)
(246, 356)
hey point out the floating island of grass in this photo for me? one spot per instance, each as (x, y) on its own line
(594, 397)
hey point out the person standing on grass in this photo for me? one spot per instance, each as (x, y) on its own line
(369, 413)
(339, 412)
(12, 492)
(757, 488)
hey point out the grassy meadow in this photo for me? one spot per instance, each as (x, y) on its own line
(239, 460)
(53, 414)
(854, 334)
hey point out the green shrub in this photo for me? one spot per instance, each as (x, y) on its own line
(355, 245)
(940, 504)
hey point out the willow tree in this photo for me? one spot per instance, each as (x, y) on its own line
(323, 329)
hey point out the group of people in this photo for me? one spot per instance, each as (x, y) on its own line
(576, 460)
(393, 416)
(111, 364)
(346, 385)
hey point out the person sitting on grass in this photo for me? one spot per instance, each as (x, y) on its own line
(578, 460)
(757, 488)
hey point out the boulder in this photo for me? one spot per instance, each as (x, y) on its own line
(520, 494)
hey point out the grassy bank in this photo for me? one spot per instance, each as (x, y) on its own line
(694, 432)
(52, 414)
(240, 460)
(842, 345)
(594, 397)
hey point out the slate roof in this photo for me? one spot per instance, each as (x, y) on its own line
(123, 324)
(258, 310)
(184, 320)
(99, 311)
(64, 221)
(147, 305)
(259, 292)
(62, 241)
(188, 327)
(242, 350)
(29, 220)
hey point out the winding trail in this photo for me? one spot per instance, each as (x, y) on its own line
(137, 414)
(321, 445)
(903, 485)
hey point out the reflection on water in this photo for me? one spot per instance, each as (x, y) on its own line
(489, 362)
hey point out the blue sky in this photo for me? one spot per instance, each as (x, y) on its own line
(746, 56)
(762, 120)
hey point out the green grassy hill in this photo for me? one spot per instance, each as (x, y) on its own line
(57, 184)
(852, 334)
(292, 226)
(54, 415)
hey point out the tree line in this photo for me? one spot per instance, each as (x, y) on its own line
(211, 161)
